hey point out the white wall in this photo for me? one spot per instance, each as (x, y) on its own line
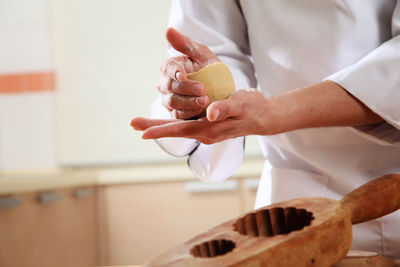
(107, 59)
(108, 55)
(27, 113)
(105, 55)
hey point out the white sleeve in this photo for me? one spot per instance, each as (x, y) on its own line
(219, 25)
(375, 81)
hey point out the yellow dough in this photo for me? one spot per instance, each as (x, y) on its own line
(217, 79)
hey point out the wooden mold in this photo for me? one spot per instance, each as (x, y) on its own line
(299, 232)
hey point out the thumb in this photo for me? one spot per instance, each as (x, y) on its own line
(222, 110)
(185, 45)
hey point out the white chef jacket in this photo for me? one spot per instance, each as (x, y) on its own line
(280, 45)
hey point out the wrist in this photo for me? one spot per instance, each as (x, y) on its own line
(282, 114)
(320, 105)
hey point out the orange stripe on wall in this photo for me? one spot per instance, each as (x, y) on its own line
(26, 82)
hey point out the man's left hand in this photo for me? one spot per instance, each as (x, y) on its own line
(243, 113)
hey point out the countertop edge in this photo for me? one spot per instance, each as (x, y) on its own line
(20, 182)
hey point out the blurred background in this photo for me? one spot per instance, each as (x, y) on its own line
(78, 187)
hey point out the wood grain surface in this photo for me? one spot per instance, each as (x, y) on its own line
(375, 199)
(299, 232)
(326, 240)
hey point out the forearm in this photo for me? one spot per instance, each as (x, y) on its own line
(248, 112)
(320, 105)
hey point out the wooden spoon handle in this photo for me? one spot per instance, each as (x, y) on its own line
(376, 198)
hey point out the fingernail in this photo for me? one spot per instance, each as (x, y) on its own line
(178, 76)
(201, 101)
(216, 114)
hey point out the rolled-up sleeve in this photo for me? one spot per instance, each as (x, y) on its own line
(219, 25)
(375, 81)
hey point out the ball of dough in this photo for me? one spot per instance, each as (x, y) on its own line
(217, 79)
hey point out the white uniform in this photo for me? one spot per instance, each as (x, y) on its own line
(291, 44)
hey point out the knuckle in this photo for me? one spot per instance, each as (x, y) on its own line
(175, 65)
(169, 70)
(164, 84)
(171, 101)
(174, 101)
(181, 115)
(176, 86)
(166, 63)
(166, 100)
(188, 48)
(192, 101)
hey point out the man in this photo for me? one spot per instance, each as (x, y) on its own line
(328, 106)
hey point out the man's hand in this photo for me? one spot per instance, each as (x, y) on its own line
(248, 112)
(182, 97)
(243, 113)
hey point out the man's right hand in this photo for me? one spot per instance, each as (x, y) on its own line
(184, 98)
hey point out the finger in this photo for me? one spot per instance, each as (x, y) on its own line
(176, 129)
(164, 85)
(188, 87)
(185, 45)
(222, 110)
(186, 114)
(141, 124)
(179, 102)
(174, 68)
(202, 130)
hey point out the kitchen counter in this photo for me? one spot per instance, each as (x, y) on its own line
(40, 180)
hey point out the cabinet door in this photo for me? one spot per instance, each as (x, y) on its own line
(14, 232)
(58, 231)
(250, 186)
(144, 220)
